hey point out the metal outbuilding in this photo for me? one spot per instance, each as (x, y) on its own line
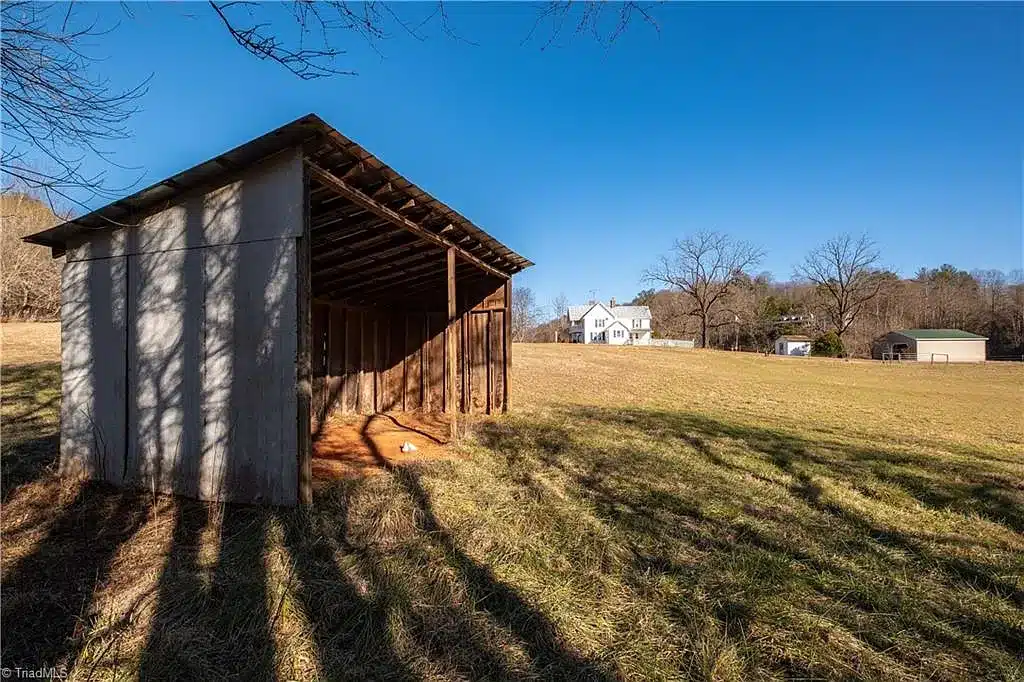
(930, 345)
(210, 320)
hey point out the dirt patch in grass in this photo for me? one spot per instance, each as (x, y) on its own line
(347, 446)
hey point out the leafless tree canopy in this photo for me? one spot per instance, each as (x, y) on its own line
(55, 107)
(705, 267)
(524, 313)
(29, 278)
(845, 272)
(59, 110)
(560, 305)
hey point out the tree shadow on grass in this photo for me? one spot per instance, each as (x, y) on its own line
(212, 618)
(744, 562)
(405, 589)
(30, 439)
(48, 593)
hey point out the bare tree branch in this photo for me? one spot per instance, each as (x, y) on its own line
(54, 106)
(845, 272)
(705, 267)
(58, 113)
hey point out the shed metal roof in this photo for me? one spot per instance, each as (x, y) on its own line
(308, 129)
(940, 335)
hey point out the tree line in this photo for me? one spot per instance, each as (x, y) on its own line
(707, 288)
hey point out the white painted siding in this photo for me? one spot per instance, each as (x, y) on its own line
(93, 391)
(958, 350)
(592, 329)
(198, 376)
(796, 348)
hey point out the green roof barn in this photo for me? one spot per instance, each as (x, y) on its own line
(931, 345)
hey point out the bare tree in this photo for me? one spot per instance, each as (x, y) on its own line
(59, 111)
(29, 278)
(524, 313)
(705, 267)
(845, 274)
(54, 105)
(560, 305)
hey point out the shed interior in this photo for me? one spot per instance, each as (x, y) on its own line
(384, 258)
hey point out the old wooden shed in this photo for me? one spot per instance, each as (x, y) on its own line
(210, 320)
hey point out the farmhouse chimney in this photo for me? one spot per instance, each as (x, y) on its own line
(613, 302)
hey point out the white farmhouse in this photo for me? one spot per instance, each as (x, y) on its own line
(616, 325)
(793, 344)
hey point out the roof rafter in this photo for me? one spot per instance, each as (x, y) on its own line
(363, 200)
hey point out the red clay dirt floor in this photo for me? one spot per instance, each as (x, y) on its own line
(354, 445)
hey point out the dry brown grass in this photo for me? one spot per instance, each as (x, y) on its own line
(642, 514)
(23, 343)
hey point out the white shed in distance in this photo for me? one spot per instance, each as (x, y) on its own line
(793, 344)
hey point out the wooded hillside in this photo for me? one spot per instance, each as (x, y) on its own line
(987, 302)
(30, 282)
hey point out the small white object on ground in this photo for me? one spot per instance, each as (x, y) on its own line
(408, 447)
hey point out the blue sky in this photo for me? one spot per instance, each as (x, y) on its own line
(780, 124)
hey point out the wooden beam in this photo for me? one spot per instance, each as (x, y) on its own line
(327, 272)
(354, 195)
(450, 350)
(356, 293)
(326, 218)
(407, 291)
(353, 246)
(304, 383)
(507, 344)
(336, 274)
(357, 169)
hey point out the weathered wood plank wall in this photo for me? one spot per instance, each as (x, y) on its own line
(368, 360)
(180, 342)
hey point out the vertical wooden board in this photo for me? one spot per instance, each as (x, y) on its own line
(384, 372)
(166, 302)
(477, 356)
(395, 372)
(414, 362)
(433, 363)
(367, 363)
(336, 339)
(250, 404)
(497, 360)
(351, 361)
(318, 358)
(302, 376)
(507, 342)
(459, 385)
(93, 371)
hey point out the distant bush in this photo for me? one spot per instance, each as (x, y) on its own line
(828, 345)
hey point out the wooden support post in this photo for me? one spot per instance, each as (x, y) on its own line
(304, 364)
(450, 352)
(507, 344)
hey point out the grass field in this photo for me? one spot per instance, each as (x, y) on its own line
(641, 514)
